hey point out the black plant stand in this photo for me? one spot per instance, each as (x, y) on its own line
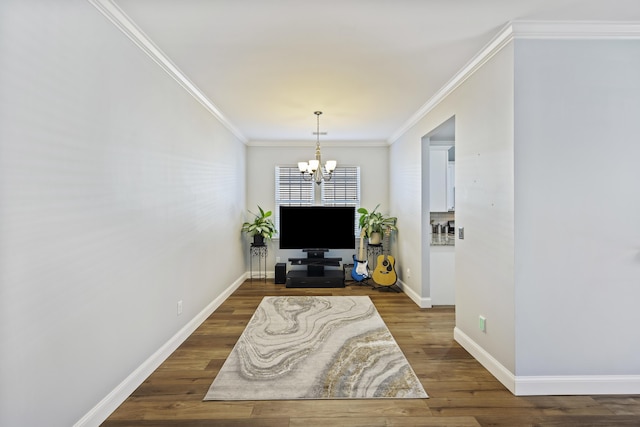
(261, 252)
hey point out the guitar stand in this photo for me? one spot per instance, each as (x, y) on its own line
(393, 287)
(370, 282)
(365, 282)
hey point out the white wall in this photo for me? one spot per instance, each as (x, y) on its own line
(577, 207)
(483, 110)
(372, 158)
(546, 178)
(119, 196)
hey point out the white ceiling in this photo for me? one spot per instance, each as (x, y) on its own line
(369, 65)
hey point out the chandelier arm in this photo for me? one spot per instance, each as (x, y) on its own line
(317, 174)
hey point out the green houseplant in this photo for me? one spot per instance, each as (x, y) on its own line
(374, 223)
(261, 228)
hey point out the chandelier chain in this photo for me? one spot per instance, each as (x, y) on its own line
(312, 170)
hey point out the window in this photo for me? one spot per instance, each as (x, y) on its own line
(342, 190)
(291, 190)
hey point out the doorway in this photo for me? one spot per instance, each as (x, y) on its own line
(438, 218)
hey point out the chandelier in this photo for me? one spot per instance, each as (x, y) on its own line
(312, 170)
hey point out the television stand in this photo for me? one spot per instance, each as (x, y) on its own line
(300, 279)
(315, 276)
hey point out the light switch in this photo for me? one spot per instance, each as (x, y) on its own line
(461, 233)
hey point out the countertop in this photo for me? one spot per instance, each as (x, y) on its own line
(444, 239)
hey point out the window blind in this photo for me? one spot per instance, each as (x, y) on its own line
(291, 190)
(343, 189)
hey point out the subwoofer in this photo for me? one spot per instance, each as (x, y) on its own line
(281, 273)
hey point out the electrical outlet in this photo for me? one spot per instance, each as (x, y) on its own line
(179, 307)
(482, 323)
(277, 259)
(408, 273)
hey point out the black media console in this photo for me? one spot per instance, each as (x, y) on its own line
(315, 276)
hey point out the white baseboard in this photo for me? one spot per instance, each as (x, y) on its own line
(577, 385)
(117, 396)
(420, 302)
(501, 373)
(261, 275)
(546, 385)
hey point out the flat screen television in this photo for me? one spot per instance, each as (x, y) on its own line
(317, 227)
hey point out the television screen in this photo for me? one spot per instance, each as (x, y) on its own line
(317, 227)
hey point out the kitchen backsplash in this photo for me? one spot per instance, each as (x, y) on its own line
(447, 236)
(442, 217)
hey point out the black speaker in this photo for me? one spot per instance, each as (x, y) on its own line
(281, 273)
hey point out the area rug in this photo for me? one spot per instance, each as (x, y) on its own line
(302, 347)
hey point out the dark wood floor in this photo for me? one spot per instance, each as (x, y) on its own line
(462, 392)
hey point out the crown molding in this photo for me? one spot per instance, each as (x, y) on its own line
(576, 30)
(494, 46)
(311, 144)
(556, 30)
(120, 19)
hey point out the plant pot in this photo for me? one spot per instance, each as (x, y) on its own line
(375, 238)
(258, 240)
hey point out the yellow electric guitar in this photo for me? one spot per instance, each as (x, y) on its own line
(385, 273)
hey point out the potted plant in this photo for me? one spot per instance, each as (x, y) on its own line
(374, 223)
(261, 228)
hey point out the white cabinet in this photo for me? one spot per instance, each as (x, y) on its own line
(438, 179)
(442, 275)
(451, 179)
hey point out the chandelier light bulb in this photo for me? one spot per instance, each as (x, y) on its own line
(312, 170)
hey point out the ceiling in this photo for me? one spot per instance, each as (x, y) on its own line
(369, 65)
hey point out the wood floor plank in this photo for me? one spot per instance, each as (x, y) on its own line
(621, 405)
(462, 393)
(528, 420)
(159, 409)
(233, 422)
(386, 422)
(334, 409)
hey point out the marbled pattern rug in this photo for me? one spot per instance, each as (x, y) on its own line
(301, 347)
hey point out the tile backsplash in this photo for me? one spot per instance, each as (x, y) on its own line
(442, 217)
(446, 237)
